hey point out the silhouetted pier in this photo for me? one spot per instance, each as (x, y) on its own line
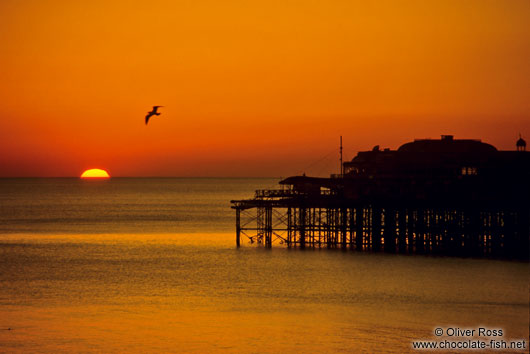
(447, 197)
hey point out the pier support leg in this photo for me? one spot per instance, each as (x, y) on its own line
(496, 234)
(402, 221)
(238, 227)
(359, 216)
(420, 230)
(410, 230)
(351, 224)
(376, 229)
(268, 227)
(473, 230)
(390, 230)
(302, 221)
(343, 226)
(289, 228)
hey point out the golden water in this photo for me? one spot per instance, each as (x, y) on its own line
(198, 293)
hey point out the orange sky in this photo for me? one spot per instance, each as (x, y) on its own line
(252, 88)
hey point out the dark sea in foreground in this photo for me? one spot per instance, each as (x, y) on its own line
(143, 265)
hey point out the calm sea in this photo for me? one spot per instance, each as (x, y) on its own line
(150, 265)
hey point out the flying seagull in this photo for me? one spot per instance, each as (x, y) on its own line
(152, 113)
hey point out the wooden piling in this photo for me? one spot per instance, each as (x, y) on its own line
(238, 227)
(414, 229)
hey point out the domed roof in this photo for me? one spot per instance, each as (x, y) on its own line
(447, 145)
(521, 142)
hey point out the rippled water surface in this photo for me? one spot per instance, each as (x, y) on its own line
(149, 265)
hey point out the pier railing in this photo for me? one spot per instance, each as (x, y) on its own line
(288, 193)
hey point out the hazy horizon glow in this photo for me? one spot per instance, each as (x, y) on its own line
(259, 88)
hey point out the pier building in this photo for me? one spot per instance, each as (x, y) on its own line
(439, 196)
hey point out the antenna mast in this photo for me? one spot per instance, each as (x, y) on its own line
(341, 166)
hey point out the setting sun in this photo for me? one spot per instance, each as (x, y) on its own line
(95, 173)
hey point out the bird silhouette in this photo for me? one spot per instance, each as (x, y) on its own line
(154, 112)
